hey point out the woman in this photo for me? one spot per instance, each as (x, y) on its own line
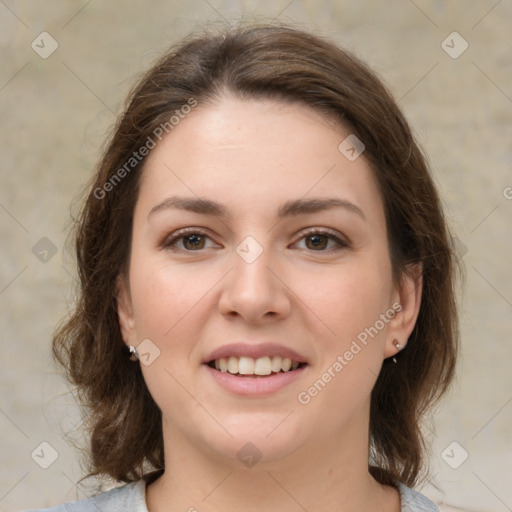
(267, 300)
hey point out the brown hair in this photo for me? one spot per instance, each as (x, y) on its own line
(288, 64)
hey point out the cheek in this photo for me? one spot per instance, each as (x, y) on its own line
(164, 295)
(356, 306)
(350, 298)
(350, 359)
(167, 300)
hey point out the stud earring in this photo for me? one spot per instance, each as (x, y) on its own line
(398, 347)
(134, 356)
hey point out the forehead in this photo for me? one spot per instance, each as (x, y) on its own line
(249, 152)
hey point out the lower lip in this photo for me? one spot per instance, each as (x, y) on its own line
(254, 386)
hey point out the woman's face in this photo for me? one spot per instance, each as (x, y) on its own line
(257, 241)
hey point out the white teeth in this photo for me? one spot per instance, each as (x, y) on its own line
(246, 366)
(250, 366)
(262, 366)
(276, 364)
(223, 363)
(233, 364)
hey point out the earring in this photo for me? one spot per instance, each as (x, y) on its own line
(134, 356)
(397, 346)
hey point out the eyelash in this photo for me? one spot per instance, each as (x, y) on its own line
(169, 243)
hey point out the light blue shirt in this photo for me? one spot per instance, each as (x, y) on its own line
(132, 498)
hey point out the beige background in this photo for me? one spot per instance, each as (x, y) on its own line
(55, 113)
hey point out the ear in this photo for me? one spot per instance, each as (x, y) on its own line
(407, 301)
(125, 312)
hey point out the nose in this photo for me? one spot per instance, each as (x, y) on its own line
(254, 290)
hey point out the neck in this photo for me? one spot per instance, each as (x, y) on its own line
(325, 475)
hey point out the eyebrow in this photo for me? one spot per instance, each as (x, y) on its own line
(287, 209)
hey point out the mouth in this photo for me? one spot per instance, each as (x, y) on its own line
(255, 367)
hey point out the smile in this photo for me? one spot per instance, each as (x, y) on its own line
(261, 366)
(254, 369)
(255, 385)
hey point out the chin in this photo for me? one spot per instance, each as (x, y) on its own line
(257, 439)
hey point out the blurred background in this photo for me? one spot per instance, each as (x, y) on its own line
(66, 67)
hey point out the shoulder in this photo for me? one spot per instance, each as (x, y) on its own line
(128, 498)
(413, 501)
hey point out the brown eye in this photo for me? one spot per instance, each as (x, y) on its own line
(187, 240)
(317, 241)
(193, 242)
(322, 241)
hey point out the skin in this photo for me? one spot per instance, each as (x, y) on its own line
(252, 156)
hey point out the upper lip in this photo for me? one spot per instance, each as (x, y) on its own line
(255, 351)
